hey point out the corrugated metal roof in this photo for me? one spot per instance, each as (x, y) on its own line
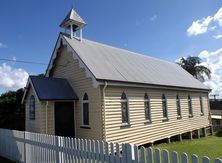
(110, 63)
(52, 88)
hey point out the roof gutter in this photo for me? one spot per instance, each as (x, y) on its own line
(104, 113)
(154, 86)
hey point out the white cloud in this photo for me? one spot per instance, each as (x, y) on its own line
(213, 60)
(12, 78)
(217, 36)
(218, 16)
(209, 23)
(212, 28)
(2, 45)
(154, 17)
(199, 26)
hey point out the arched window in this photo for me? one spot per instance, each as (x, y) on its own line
(85, 110)
(125, 109)
(164, 106)
(190, 106)
(147, 107)
(178, 106)
(32, 108)
(201, 105)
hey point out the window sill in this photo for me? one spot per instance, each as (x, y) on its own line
(125, 125)
(190, 116)
(148, 122)
(85, 127)
(179, 117)
(165, 120)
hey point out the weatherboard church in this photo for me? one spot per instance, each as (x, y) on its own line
(96, 91)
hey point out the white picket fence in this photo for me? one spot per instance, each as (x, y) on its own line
(39, 148)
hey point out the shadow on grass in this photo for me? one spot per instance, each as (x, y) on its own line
(4, 160)
(219, 133)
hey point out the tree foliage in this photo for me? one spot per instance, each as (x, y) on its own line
(193, 66)
(12, 114)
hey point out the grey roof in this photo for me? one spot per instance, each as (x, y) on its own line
(73, 17)
(52, 88)
(110, 63)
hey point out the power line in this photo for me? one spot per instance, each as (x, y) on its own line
(26, 62)
(22, 61)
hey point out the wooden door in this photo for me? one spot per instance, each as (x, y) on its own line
(64, 119)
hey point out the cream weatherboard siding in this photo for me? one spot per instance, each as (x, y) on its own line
(50, 117)
(140, 132)
(67, 67)
(35, 125)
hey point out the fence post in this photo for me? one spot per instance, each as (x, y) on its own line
(135, 151)
(194, 158)
(107, 151)
(57, 148)
(97, 150)
(158, 155)
(130, 153)
(184, 158)
(111, 153)
(217, 160)
(150, 155)
(123, 153)
(24, 140)
(165, 156)
(205, 159)
(175, 157)
(101, 146)
(142, 155)
(117, 153)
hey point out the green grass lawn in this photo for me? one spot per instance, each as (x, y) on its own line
(210, 146)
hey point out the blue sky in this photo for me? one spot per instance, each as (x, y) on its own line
(29, 29)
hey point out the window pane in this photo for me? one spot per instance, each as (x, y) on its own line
(85, 113)
(32, 108)
(124, 112)
(164, 109)
(123, 97)
(178, 106)
(164, 106)
(190, 105)
(147, 110)
(85, 97)
(201, 104)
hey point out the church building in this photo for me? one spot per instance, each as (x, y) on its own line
(96, 91)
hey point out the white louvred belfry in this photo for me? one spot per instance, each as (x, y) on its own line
(73, 22)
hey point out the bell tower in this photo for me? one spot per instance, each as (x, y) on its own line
(73, 23)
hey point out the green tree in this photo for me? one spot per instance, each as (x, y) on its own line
(192, 65)
(12, 112)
